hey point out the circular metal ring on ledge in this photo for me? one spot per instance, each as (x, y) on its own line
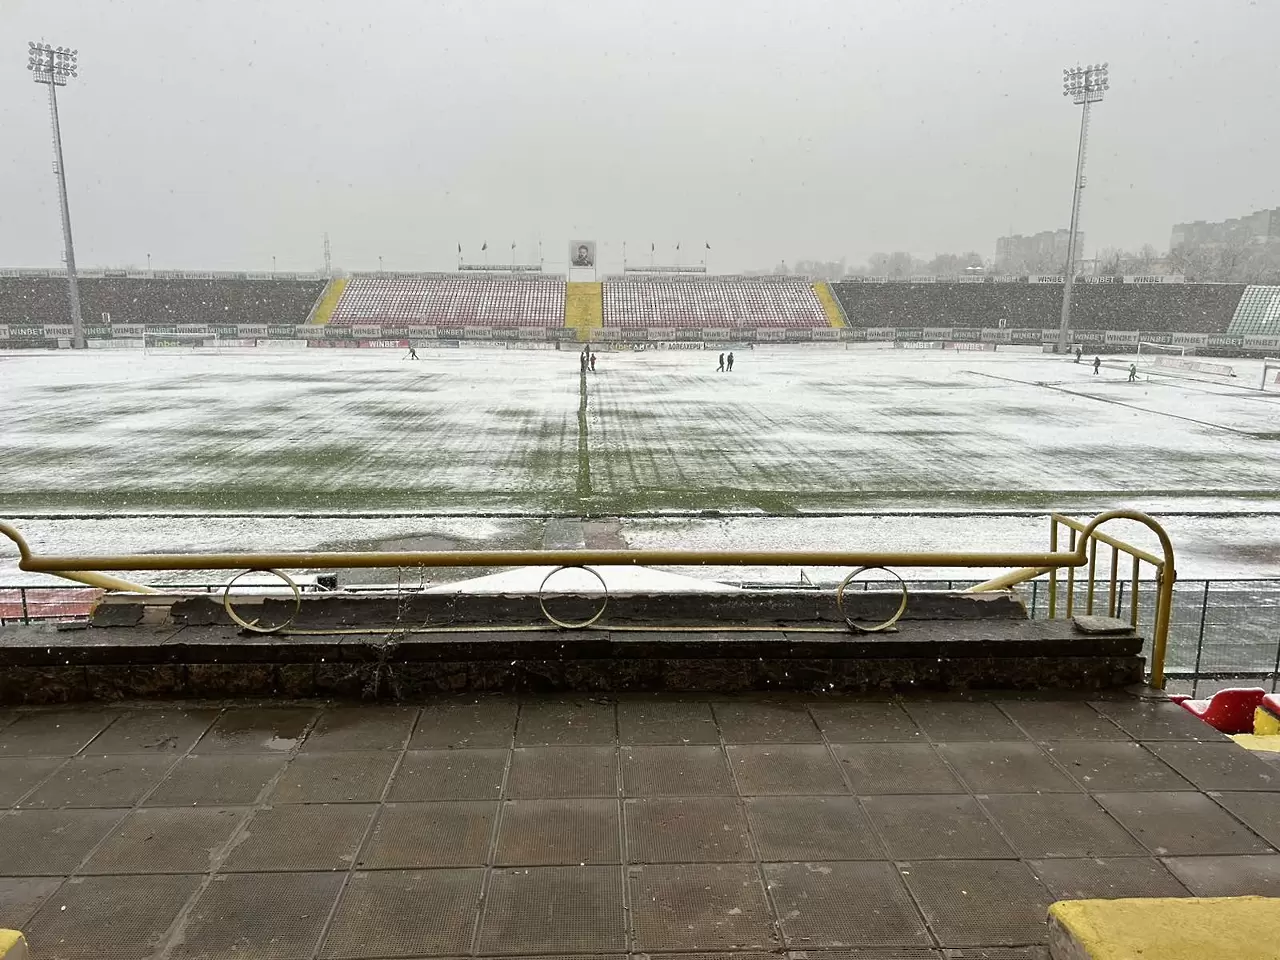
(252, 625)
(569, 624)
(879, 627)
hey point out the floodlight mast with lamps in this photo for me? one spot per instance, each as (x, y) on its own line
(52, 66)
(1084, 85)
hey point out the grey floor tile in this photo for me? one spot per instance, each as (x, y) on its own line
(1261, 811)
(1107, 879)
(816, 910)
(167, 840)
(404, 913)
(215, 781)
(553, 910)
(270, 730)
(94, 781)
(438, 834)
(1059, 825)
(1228, 876)
(658, 722)
(1060, 720)
(1218, 766)
(558, 832)
(896, 768)
(136, 910)
(1156, 720)
(360, 728)
(812, 828)
(573, 721)
(1115, 767)
(53, 733)
(1006, 767)
(155, 730)
(450, 775)
(300, 838)
(686, 829)
(487, 722)
(935, 827)
(20, 775)
(785, 768)
(259, 916)
(674, 771)
(51, 842)
(763, 722)
(975, 903)
(335, 778)
(1178, 824)
(700, 906)
(953, 720)
(20, 897)
(563, 772)
(865, 722)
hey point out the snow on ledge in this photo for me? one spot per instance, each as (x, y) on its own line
(628, 579)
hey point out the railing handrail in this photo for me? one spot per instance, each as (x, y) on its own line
(1110, 541)
(1084, 539)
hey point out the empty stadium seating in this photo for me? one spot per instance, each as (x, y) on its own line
(671, 302)
(1173, 307)
(453, 300)
(138, 300)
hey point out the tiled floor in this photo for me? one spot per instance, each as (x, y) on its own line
(584, 826)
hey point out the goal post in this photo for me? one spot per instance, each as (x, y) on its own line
(1159, 350)
(1270, 373)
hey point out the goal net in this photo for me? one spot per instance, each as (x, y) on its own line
(1270, 374)
(1156, 350)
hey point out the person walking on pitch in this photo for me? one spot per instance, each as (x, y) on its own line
(720, 369)
(1097, 362)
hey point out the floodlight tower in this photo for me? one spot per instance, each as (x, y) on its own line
(1084, 85)
(52, 66)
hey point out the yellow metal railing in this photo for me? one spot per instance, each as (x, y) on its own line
(1083, 540)
(1082, 552)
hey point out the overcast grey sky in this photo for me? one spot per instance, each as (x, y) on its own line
(218, 134)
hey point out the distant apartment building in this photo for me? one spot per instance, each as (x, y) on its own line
(1044, 248)
(1261, 226)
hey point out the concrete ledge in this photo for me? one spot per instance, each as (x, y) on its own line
(763, 607)
(1242, 928)
(13, 946)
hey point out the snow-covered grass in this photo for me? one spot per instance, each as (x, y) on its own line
(788, 434)
(477, 430)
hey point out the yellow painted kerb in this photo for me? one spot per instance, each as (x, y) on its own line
(12, 945)
(1242, 928)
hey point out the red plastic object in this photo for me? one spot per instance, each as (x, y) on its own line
(1230, 711)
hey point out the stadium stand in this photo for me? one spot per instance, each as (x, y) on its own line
(1258, 313)
(137, 300)
(719, 302)
(1174, 307)
(448, 299)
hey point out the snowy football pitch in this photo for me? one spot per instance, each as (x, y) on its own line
(475, 431)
